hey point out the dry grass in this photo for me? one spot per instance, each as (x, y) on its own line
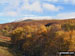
(4, 51)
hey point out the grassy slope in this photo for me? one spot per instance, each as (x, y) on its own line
(4, 50)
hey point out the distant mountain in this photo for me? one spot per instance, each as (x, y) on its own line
(28, 20)
(23, 20)
(33, 18)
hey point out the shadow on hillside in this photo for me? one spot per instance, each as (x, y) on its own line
(10, 50)
(4, 44)
(15, 52)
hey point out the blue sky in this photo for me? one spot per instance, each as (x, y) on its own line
(13, 10)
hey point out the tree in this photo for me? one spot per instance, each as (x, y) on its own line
(68, 26)
(17, 34)
(42, 29)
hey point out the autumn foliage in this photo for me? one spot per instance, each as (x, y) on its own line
(39, 40)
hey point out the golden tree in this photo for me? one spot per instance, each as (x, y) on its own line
(42, 29)
(17, 34)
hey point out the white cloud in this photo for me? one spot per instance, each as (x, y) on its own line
(35, 6)
(51, 0)
(26, 6)
(63, 1)
(29, 15)
(37, 18)
(10, 13)
(34, 18)
(51, 7)
(10, 4)
(3, 1)
(8, 10)
(70, 1)
(65, 15)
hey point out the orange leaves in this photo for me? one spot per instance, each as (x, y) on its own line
(59, 33)
(40, 39)
(42, 29)
(18, 30)
(68, 26)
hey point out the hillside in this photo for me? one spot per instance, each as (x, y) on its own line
(4, 50)
(37, 37)
(35, 22)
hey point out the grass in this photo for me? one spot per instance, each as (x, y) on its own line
(5, 50)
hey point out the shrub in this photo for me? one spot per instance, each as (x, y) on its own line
(68, 26)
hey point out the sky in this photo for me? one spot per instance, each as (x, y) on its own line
(14, 10)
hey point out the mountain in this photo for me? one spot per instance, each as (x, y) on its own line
(22, 23)
(23, 20)
(28, 20)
